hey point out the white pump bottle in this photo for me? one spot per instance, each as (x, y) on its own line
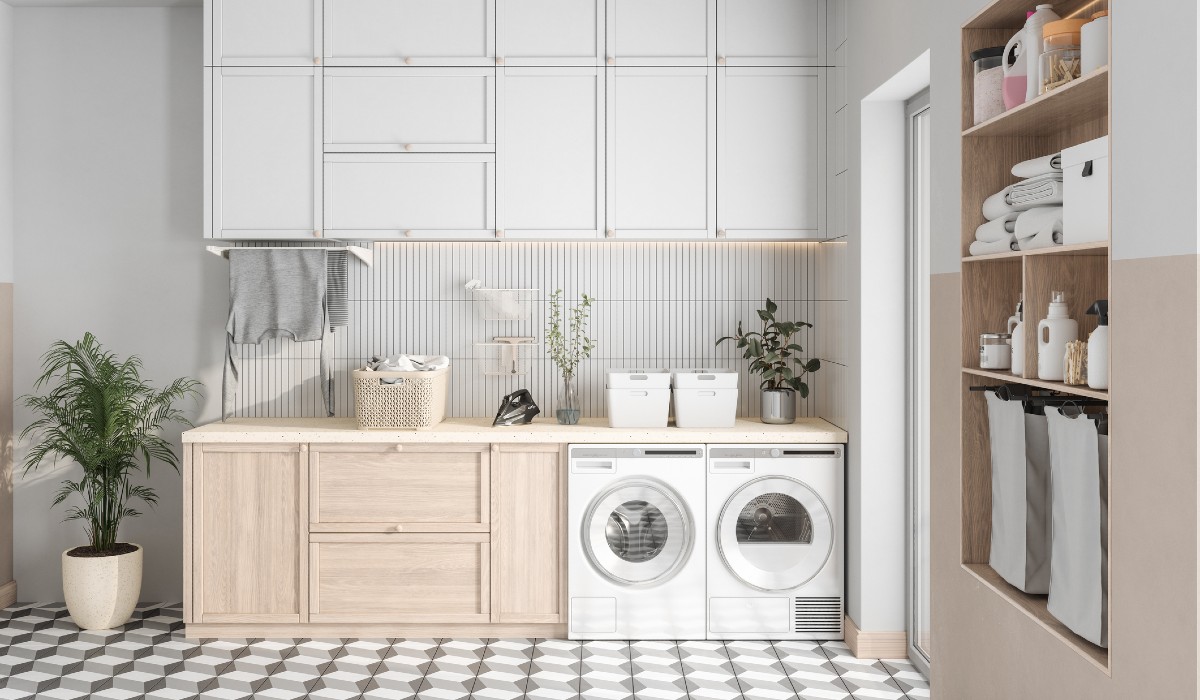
(1054, 332)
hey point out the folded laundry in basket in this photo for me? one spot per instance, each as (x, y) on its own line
(993, 247)
(997, 229)
(1038, 166)
(1040, 227)
(406, 363)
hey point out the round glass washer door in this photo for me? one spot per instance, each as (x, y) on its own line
(775, 533)
(637, 532)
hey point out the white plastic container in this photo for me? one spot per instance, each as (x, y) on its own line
(638, 398)
(1054, 332)
(1095, 43)
(1032, 46)
(705, 398)
(1085, 192)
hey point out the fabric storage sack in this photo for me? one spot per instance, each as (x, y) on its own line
(1079, 558)
(1020, 495)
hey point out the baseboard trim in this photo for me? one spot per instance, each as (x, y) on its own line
(875, 645)
(371, 630)
(8, 594)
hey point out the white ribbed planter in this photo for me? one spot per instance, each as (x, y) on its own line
(101, 592)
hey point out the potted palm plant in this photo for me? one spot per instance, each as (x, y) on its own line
(774, 354)
(99, 413)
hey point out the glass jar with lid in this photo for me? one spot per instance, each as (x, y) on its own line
(1061, 59)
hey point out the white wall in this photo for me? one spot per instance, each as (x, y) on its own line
(108, 117)
(6, 142)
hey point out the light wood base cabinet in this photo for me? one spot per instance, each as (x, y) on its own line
(374, 539)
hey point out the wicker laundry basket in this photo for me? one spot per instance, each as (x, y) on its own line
(413, 400)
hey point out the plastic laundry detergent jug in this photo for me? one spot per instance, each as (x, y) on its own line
(1016, 71)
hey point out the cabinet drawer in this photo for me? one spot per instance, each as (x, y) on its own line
(410, 32)
(377, 488)
(447, 196)
(444, 110)
(418, 578)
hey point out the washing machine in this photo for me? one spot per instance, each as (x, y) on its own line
(635, 567)
(775, 548)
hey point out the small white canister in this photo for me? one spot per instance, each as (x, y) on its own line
(995, 351)
(1094, 43)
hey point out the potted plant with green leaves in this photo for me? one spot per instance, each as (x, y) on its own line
(99, 413)
(569, 344)
(774, 354)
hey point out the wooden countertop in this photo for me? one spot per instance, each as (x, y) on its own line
(480, 430)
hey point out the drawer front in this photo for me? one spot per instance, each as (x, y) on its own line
(410, 32)
(431, 578)
(398, 197)
(417, 489)
(441, 110)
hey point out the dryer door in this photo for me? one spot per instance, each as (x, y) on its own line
(637, 532)
(775, 533)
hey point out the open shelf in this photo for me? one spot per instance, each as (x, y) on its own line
(1010, 378)
(1035, 607)
(1053, 112)
(1099, 248)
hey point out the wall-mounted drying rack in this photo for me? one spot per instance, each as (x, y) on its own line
(363, 254)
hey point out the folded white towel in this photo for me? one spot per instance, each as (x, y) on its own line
(997, 229)
(1040, 227)
(997, 205)
(993, 247)
(1038, 166)
(1030, 194)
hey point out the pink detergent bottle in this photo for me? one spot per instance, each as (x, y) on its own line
(1016, 69)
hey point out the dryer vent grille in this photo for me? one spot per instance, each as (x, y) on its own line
(819, 616)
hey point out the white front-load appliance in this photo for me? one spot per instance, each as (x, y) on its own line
(635, 515)
(775, 560)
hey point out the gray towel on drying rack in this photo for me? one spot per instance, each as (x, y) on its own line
(275, 293)
(337, 293)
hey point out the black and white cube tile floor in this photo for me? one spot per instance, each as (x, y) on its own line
(44, 655)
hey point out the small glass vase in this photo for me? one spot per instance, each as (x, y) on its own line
(568, 401)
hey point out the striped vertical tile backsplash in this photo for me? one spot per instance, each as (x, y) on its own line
(657, 305)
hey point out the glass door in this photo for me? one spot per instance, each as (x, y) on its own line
(917, 357)
(637, 533)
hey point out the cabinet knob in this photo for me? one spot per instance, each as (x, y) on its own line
(397, 528)
(408, 146)
(304, 448)
(399, 447)
(408, 61)
(316, 60)
(499, 60)
(611, 233)
(720, 60)
(317, 233)
(721, 233)
(612, 60)
(407, 234)
(500, 233)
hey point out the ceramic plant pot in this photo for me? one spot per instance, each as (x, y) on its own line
(101, 592)
(779, 406)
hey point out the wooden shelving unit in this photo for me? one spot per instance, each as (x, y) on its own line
(992, 284)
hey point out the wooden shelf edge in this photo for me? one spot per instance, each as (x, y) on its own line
(1034, 606)
(1039, 383)
(1090, 81)
(1097, 248)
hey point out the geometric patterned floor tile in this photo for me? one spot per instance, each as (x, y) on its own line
(43, 656)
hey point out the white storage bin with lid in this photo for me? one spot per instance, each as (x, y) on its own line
(638, 398)
(1085, 192)
(705, 398)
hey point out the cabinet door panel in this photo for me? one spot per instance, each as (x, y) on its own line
(410, 196)
(247, 532)
(433, 578)
(266, 32)
(771, 32)
(266, 153)
(410, 32)
(551, 182)
(528, 532)
(441, 110)
(550, 32)
(661, 32)
(417, 489)
(661, 150)
(771, 174)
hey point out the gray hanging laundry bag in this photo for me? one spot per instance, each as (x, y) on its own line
(1020, 448)
(1079, 559)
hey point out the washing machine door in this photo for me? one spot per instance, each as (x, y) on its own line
(637, 533)
(775, 533)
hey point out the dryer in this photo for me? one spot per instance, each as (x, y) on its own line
(775, 550)
(636, 555)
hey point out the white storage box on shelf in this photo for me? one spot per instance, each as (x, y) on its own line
(1085, 192)
(638, 398)
(705, 398)
(400, 400)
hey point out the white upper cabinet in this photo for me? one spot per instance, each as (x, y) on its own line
(263, 129)
(771, 158)
(413, 110)
(410, 196)
(771, 33)
(661, 32)
(661, 152)
(410, 32)
(262, 32)
(550, 32)
(551, 159)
